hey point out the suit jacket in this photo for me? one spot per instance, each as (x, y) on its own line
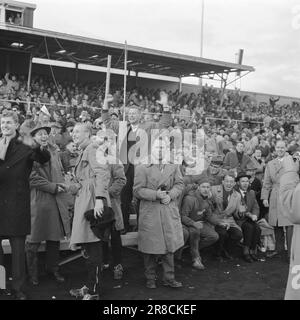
(252, 207)
(231, 161)
(164, 123)
(234, 202)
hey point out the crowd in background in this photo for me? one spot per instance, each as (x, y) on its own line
(244, 143)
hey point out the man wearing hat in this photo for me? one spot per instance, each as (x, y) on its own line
(247, 216)
(215, 172)
(16, 161)
(198, 221)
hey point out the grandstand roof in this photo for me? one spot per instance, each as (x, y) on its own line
(64, 47)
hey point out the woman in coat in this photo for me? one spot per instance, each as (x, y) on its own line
(158, 186)
(290, 200)
(91, 189)
(50, 219)
(270, 196)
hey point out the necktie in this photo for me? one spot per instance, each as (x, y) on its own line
(3, 148)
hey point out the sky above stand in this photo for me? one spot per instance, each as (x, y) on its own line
(267, 30)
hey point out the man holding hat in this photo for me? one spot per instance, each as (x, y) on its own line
(198, 221)
(247, 217)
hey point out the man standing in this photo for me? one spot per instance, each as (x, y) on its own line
(270, 196)
(198, 221)
(16, 160)
(134, 117)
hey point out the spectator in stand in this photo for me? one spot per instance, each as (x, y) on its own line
(69, 157)
(197, 217)
(227, 202)
(271, 199)
(246, 218)
(50, 219)
(259, 163)
(16, 161)
(237, 160)
(160, 229)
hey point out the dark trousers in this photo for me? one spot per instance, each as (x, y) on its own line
(52, 256)
(251, 234)
(150, 263)
(116, 248)
(93, 255)
(18, 262)
(279, 238)
(126, 196)
(232, 234)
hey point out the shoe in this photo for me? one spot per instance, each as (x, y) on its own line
(272, 254)
(91, 297)
(226, 255)
(197, 264)
(58, 277)
(118, 272)
(19, 295)
(150, 284)
(172, 283)
(254, 257)
(105, 266)
(247, 258)
(79, 293)
(34, 281)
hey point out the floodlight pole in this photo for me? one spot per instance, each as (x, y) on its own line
(107, 76)
(29, 79)
(201, 42)
(125, 80)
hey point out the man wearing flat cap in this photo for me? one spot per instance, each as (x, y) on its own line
(198, 221)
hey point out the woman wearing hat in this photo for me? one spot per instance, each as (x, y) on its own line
(50, 220)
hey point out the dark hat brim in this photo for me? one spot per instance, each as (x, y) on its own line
(35, 130)
(242, 176)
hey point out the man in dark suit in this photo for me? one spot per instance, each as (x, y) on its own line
(134, 117)
(16, 160)
(246, 218)
(237, 160)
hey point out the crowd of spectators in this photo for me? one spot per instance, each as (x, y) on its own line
(242, 141)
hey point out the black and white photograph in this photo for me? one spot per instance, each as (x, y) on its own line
(149, 151)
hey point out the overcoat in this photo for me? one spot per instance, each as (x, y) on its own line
(290, 199)
(50, 218)
(14, 187)
(94, 179)
(270, 191)
(159, 228)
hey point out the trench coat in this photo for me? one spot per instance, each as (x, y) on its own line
(231, 161)
(116, 184)
(93, 179)
(159, 229)
(14, 187)
(290, 199)
(50, 218)
(270, 191)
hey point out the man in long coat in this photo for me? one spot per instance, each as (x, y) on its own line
(158, 186)
(16, 160)
(91, 192)
(133, 127)
(270, 196)
(50, 218)
(290, 200)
